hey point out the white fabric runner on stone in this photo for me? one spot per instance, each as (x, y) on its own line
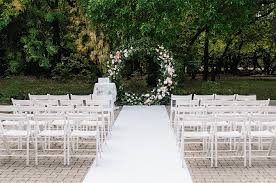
(142, 149)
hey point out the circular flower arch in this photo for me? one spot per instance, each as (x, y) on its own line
(157, 94)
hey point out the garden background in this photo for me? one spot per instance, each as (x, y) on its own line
(62, 46)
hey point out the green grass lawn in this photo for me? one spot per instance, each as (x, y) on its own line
(264, 89)
(19, 87)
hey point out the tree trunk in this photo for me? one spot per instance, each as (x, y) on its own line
(56, 33)
(56, 41)
(206, 55)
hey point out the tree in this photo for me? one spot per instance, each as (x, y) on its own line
(127, 20)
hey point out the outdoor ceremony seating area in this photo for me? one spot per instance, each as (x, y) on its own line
(57, 126)
(216, 127)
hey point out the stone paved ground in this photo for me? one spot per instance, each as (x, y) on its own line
(49, 170)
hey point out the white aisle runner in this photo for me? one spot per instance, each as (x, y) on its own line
(142, 149)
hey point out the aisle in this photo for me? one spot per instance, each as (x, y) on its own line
(142, 149)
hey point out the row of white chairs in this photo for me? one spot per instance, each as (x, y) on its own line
(185, 100)
(105, 102)
(204, 110)
(48, 129)
(235, 131)
(62, 100)
(233, 97)
(60, 97)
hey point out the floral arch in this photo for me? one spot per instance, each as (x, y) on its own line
(157, 94)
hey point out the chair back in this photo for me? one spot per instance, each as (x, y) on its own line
(59, 97)
(81, 97)
(204, 97)
(225, 97)
(246, 97)
(38, 97)
(22, 102)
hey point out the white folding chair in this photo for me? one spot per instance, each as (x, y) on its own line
(108, 113)
(59, 97)
(50, 135)
(261, 131)
(84, 127)
(268, 109)
(225, 97)
(246, 97)
(74, 102)
(15, 128)
(204, 97)
(198, 134)
(65, 102)
(174, 98)
(226, 133)
(38, 97)
(17, 103)
(220, 110)
(252, 103)
(107, 104)
(46, 103)
(7, 108)
(81, 97)
(216, 103)
(247, 109)
(184, 110)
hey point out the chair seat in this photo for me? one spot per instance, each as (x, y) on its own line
(196, 134)
(262, 134)
(78, 133)
(10, 123)
(32, 122)
(15, 133)
(192, 124)
(232, 134)
(52, 133)
(61, 122)
(91, 123)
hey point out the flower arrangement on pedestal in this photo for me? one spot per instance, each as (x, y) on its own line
(157, 94)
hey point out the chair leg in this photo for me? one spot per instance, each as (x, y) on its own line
(68, 150)
(6, 145)
(64, 151)
(212, 152)
(270, 147)
(182, 150)
(216, 152)
(36, 151)
(250, 151)
(244, 152)
(28, 151)
(171, 118)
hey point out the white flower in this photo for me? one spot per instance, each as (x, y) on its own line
(111, 56)
(148, 101)
(159, 97)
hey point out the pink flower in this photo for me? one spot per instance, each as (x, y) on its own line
(118, 55)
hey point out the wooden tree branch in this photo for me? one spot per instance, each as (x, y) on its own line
(194, 38)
